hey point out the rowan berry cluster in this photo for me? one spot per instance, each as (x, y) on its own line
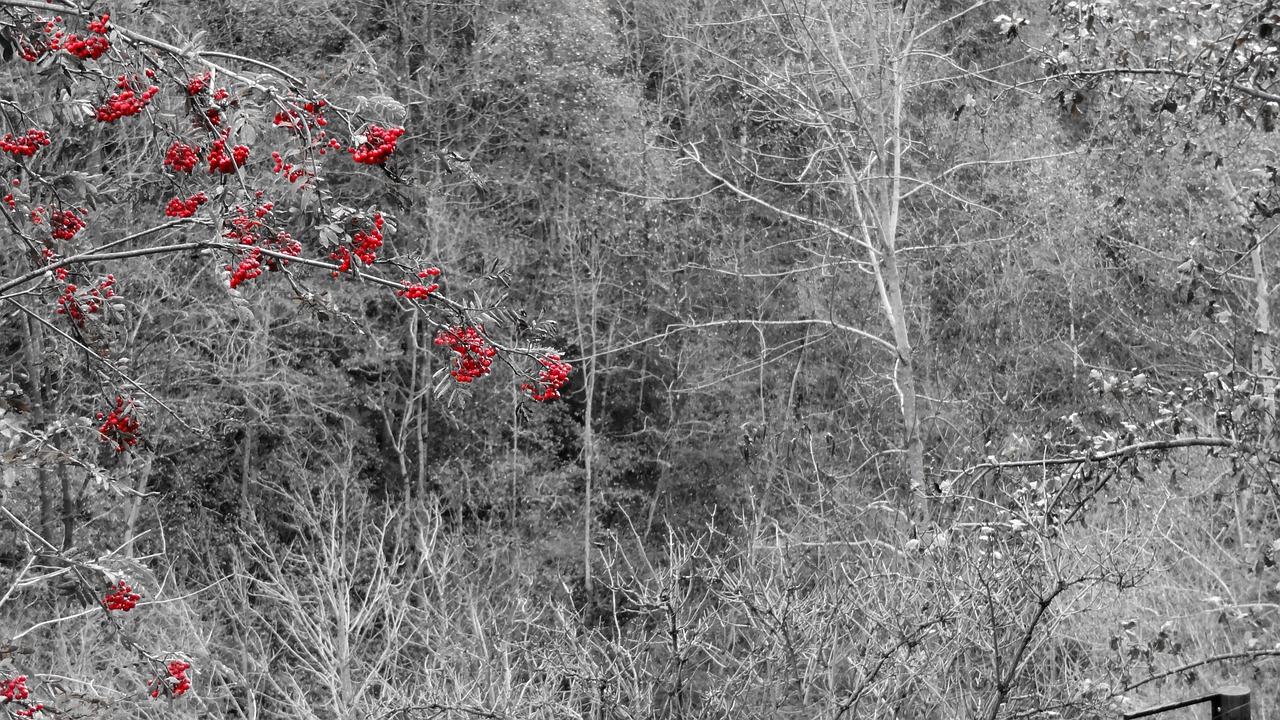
(419, 291)
(14, 689)
(51, 257)
(32, 53)
(294, 120)
(377, 145)
(24, 145)
(129, 101)
(365, 243)
(78, 304)
(180, 208)
(343, 256)
(290, 172)
(554, 374)
(182, 157)
(474, 353)
(64, 224)
(122, 597)
(120, 426)
(10, 200)
(175, 682)
(248, 268)
(245, 228)
(220, 161)
(198, 83)
(90, 47)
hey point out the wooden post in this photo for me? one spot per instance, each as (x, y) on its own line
(1231, 703)
(1228, 703)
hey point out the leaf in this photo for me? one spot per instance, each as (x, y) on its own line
(386, 106)
(330, 236)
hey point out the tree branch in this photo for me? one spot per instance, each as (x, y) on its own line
(1201, 77)
(1120, 452)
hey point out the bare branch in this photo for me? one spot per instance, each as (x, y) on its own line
(691, 152)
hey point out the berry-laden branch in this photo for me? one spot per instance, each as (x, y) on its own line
(115, 592)
(214, 161)
(245, 157)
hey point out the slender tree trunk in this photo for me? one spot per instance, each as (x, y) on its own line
(586, 290)
(905, 380)
(39, 415)
(1264, 364)
(68, 509)
(142, 473)
(1263, 356)
(255, 366)
(588, 452)
(421, 407)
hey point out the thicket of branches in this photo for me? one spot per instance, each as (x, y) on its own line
(636, 359)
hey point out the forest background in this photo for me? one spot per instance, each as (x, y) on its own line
(921, 358)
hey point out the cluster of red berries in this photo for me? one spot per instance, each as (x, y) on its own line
(120, 426)
(248, 268)
(129, 101)
(122, 597)
(418, 291)
(343, 256)
(24, 145)
(14, 689)
(310, 123)
(290, 172)
(243, 229)
(293, 120)
(554, 374)
(212, 117)
(220, 161)
(182, 157)
(175, 683)
(180, 208)
(50, 258)
(63, 224)
(32, 53)
(91, 47)
(364, 245)
(79, 304)
(475, 354)
(198, 83)
(377, 145)
(246, 228)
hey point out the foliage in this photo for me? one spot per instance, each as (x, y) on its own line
(267, 286)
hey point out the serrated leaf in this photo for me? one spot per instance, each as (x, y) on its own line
(386, 106)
